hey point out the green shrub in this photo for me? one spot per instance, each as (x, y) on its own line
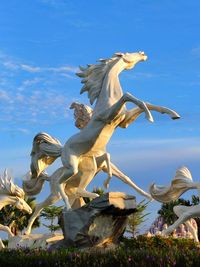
(140, 252)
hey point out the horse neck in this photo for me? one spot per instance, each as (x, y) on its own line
(111, 90)
(6, 200)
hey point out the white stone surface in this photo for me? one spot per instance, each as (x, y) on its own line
(33, 241)
(11, 194)
(181, 183)
(85, 153)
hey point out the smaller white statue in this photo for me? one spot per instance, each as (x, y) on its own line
(180, 184)
(11, 194)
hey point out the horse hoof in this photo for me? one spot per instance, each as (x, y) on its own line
(176, 118)
(150, 119)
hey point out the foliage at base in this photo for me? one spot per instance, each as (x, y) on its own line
(141, 251)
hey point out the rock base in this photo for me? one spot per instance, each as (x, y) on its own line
(99, 223)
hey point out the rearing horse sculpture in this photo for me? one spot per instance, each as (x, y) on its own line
(74, 188)
(89, 146)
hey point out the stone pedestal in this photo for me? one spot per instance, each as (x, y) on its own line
(99, 223)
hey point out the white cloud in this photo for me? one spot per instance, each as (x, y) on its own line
(15, 64)
(66, 75)
(63, 69)
(155, 154)
(29, 68)
(31, 93)
(152, 142)
(4, 95)
(31, 82)
(196, 51)
(23, 130)
(141, 75)
(10, 65)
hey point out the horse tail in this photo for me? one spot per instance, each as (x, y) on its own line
(45, 150)
(181, 183)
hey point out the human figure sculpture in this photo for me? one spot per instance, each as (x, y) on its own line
(181, 183)
(11, 194)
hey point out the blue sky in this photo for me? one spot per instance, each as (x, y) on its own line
(42, 43)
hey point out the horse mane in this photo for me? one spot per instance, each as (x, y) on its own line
(82, 114)
(181, 183)
(93, 76)
(7, 187)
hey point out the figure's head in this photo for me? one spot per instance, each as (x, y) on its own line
(131, 59)
(22, 205)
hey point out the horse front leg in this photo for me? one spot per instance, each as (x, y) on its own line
(141, 104)
(133, 114)
(110, 114)
(172, 113)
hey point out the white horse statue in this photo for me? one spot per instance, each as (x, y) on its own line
(84, 154)
(181, 183)
(11, 194)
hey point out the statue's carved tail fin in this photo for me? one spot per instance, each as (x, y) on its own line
(180, 184)
(183, 173)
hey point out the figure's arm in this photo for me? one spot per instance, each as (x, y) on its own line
(116, 172)
(132, 115)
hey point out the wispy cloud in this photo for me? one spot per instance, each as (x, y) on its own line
(153, 142)
(62, 69)
(29, 68)
(23, 131)
(4, 95)
(31, 93)
(15, 65)
(155, 154)
(196, 51)
(144, 75)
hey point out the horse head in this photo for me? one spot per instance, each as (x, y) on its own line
(9, 189)
(101, 80)
(22, 205)
(131, 59)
